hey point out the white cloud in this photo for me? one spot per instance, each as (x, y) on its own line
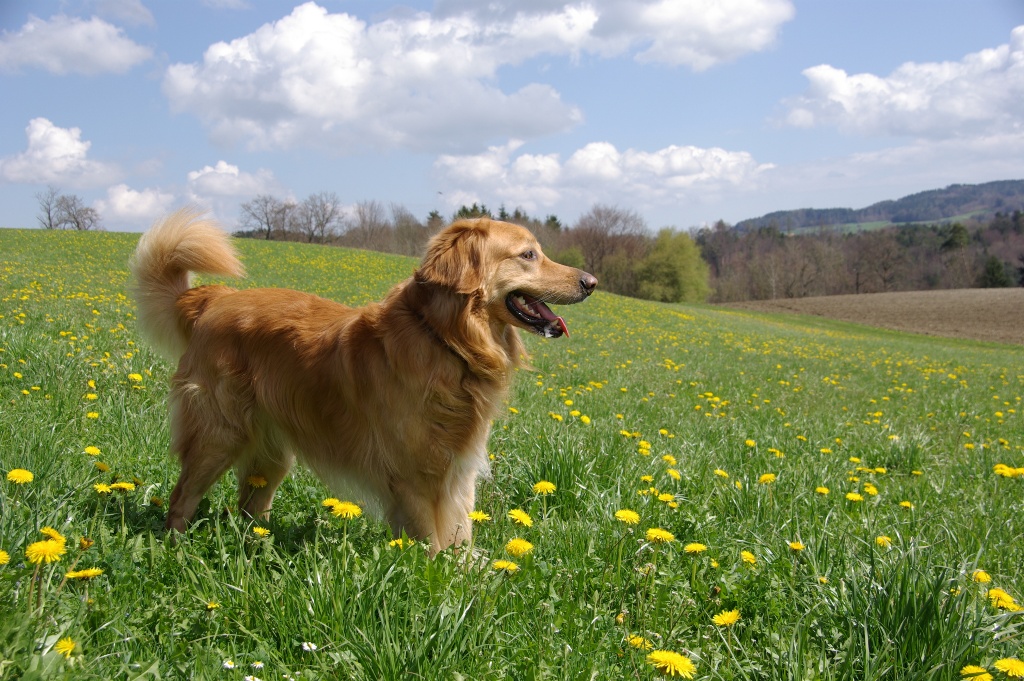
(125, 205)
(980, 94)
(694, 33)
(430, 82)
(220, 188)
(64, 45)
(226, 180)
(57, 156)
(597, 173)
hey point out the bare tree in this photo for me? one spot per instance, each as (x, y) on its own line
(604, 230)
(369, 227)
(72, 213)
(261, 215)
(411, 235)
(48, 215)
(318, 216)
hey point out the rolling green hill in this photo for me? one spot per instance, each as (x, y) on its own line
(957, 201)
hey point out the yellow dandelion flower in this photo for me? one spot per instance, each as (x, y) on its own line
(656, 535)
(53, 534)
(639, 642)
(257, 481)
(726, 618)
(975, 673)
(666, 497)
(907, 505)
(544, 487)
(720, 473)
(674, 474)
(401, 542)
(101, 488)
(346, 510)
(766, 479)
(87, 573)
(135, 378)
(797, 546)
(5, 557)
(92, 415)
(479, 516)
(518, 547)
(101, 467)
(212, 605)
(646, 478)
(627, 516)
(1010, 666)
(871, 489)
(695, 548)
(46, 551)
(672, 664)
(92, 450)
(853, 496)
(1002, 600)
(585, 419)
(981, 577)
(750, 443)
(748, 557)
(883, 541)
(261, 531)
(20, 476)
(521, 517)
(669, 459)
(739, 484)
(123, 486)
(505, 566)
(65, 647)
(822, 490)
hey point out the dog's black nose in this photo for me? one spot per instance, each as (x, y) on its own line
(588, 282)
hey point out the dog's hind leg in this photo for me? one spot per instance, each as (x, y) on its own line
(260, 472)
(207, 447)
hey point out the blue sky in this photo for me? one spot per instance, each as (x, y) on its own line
(685, 111)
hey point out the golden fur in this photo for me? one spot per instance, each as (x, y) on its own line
(396, 397)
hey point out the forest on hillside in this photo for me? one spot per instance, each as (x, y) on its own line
(766, 263)
(981, 201)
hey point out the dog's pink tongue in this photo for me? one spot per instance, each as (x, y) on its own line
(545, 312)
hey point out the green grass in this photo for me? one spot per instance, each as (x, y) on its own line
(713, 389)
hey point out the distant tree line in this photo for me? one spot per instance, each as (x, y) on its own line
(720, 263)
(613, 244)
(65, 211)
(767, 263)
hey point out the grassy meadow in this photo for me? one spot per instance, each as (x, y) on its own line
(736, 496)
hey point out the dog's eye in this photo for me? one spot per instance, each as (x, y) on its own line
(528, 255)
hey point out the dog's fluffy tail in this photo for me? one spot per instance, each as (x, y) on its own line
(183, 242)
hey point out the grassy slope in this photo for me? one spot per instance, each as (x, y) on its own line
(712, 389)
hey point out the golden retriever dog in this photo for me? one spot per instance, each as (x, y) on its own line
(395, 398)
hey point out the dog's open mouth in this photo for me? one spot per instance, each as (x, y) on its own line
(536, 314)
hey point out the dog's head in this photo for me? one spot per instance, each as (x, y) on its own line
(503, 267)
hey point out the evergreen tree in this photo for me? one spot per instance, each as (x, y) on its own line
(994, 275)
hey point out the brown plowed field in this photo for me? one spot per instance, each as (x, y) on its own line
(995, 315)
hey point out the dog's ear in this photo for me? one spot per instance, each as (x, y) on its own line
(455, 258)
